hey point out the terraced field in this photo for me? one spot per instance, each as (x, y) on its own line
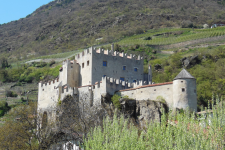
(173, 36)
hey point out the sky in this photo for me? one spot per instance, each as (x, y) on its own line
(11, 10)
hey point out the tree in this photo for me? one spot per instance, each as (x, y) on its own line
(32, 129)
(4, 63)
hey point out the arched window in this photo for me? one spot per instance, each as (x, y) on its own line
(44, 120)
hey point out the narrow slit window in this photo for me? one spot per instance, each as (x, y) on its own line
(124, 67)
(82, 65)
(105, 63)
(183, 89)
(88, 63)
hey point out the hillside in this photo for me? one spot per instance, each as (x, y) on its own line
(65, 25)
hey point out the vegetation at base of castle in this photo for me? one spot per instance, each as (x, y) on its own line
(176, 131)
(161, 99)
(30, 72)
(115, 99)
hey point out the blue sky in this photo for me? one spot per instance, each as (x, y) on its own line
(11, 10)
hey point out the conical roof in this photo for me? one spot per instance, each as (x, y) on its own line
(184, 74)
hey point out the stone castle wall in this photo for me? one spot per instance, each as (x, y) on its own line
(151, 92)
(48, 94)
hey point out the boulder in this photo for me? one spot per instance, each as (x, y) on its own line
(189, 62)
(158, 67)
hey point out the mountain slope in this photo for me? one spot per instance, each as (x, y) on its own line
(65, 25)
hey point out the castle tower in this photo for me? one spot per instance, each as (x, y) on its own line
(149, 74)
(69, 73)
(184, 91)
(112, 47)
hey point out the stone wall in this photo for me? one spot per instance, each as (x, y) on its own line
(151, 92)
(115, 62)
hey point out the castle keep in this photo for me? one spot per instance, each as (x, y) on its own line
(97, 72)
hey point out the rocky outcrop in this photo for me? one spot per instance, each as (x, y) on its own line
(143, 111)
(189, 62)
(139, 111)
(158, 67)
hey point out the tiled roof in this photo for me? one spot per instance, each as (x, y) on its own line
(150, 85)
(184, 74)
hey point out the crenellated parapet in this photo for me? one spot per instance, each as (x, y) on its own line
(112, 53)
(49, 83)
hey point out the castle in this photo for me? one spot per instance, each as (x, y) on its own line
(98, 72)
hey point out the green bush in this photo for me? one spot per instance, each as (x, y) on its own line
(3, 108)
(11, 94)
(116, 102)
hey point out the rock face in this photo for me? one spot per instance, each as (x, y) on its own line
(140, 111)
(188, 62)
(143, 111)
(158, 67)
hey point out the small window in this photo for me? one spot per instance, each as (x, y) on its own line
(154, 89)
(93, 87)
(104, 75)
(134, 81)
(135, 69)
(88, 63)
(194, 91)
(43, 89)
(181, 81)
(122, 79)
(183, 89)
(168, 88)
(124, 67)
(71, 66)
(141, 91)
(105, 63)
(82, 65)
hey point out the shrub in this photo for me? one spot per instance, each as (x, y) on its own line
(116, 102)
(3, 108)
(51, 63)
(11, 94)
(148, 38)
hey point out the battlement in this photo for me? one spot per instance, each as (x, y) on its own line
(107, 52)
(52, 82)
(67, 89)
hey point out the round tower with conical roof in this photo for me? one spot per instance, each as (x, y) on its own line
(184, 91)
